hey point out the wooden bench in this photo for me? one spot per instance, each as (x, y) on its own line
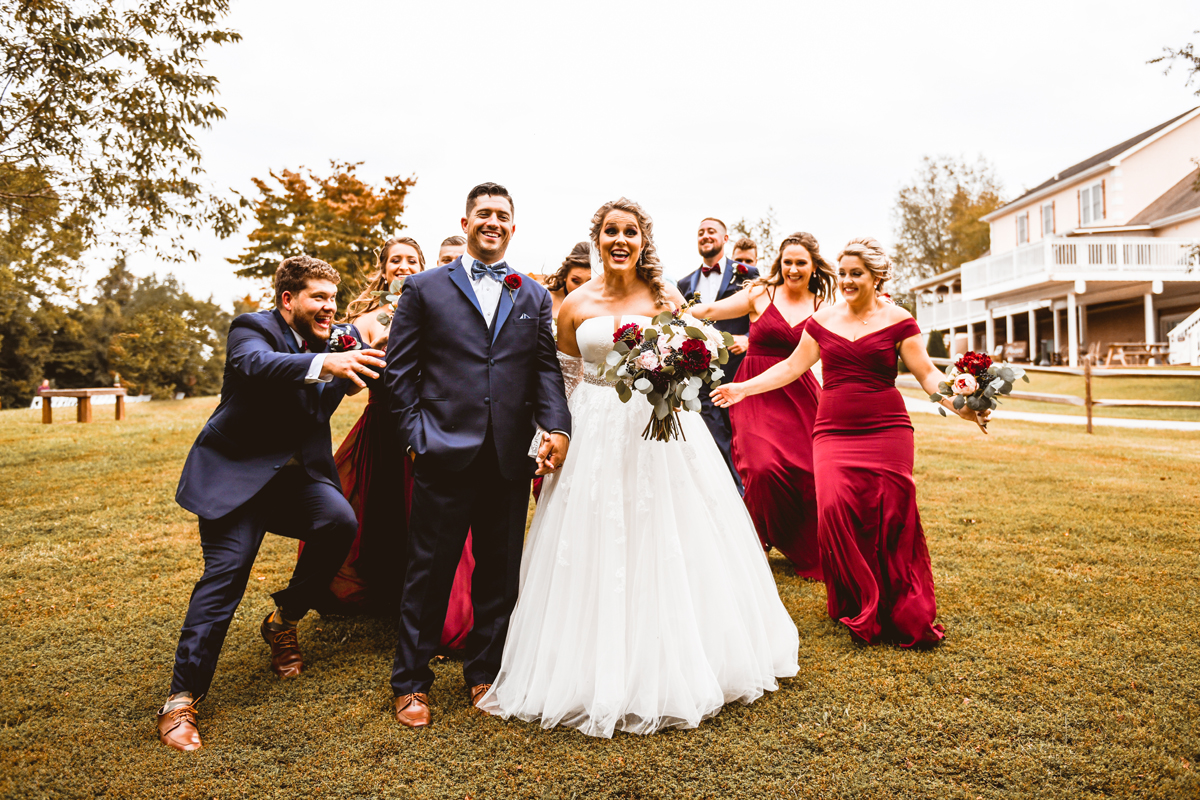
(83, 413)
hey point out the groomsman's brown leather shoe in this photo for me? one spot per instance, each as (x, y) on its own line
(177, 728)
(286, 660)
(477, 693)
(412, 710)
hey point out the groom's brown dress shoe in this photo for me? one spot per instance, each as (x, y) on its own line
(412, 710)
(286, 661)
(177, 727)
(477, 693)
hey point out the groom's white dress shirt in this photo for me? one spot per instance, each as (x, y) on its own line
(318, 362)
(487, 289)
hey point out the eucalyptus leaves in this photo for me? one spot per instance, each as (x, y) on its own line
(388, 298)
(975, 381)
(668, 361)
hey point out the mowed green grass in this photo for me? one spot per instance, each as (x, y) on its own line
(1066, 570)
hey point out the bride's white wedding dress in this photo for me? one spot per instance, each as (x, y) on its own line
(646, 599)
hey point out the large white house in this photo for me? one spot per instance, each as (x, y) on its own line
(1104, 251)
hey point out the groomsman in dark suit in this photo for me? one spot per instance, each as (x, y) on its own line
(720, 277)
(264, 462)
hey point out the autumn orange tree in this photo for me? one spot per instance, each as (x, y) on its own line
(337, 218)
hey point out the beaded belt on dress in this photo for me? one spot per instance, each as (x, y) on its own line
(596, 380)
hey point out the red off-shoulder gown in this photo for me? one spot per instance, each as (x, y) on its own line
(873, 553)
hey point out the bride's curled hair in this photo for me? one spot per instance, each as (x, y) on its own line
(648, 268)
(870, 252)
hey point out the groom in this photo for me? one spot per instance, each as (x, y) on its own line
(471, 366)
(264, 462)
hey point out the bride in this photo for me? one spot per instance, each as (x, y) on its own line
(646, 601)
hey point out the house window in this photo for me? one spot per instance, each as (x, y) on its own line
(1091, 204)
(1023, 228)
(1048, 219)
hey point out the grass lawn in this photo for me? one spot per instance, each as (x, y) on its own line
(1066, 570)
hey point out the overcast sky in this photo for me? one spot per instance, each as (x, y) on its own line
(690, 108)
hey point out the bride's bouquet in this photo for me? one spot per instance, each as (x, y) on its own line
(975, 381)
(668, 362)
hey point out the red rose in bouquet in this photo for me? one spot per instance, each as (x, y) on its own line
(631, 334)
(693, 355)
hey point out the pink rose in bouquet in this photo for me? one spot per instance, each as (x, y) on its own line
(965, 384)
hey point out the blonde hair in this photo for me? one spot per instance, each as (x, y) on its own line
(821, 283)
(648, 268)
(870, 252)
(365, 303)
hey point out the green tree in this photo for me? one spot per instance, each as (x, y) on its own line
(764, 232)
(339, 219)
(167, 341)
(938, 216)
(99, 103)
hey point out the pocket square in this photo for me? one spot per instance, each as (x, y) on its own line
(526, 316)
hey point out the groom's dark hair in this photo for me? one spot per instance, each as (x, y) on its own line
(491, 189)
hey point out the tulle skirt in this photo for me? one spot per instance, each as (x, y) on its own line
(646, 599)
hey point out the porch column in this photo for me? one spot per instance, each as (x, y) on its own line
(1057, 328)
(1083, 331)
(970, 335)
(1072, 331)
(1010, 333)
(1151, 327)
(950, 345)
(989, 326)
(1034, 341)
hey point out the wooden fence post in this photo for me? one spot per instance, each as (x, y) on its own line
(1087, 390)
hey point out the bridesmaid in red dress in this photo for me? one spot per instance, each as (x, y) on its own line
(777, 470)
(876, 564)
(377, 479)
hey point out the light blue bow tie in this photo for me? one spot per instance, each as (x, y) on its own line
(496, 272)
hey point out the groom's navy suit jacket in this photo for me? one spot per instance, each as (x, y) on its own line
(449, 376)
(267, 415)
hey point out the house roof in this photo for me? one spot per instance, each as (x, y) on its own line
(1110, 154)
(1179, 199)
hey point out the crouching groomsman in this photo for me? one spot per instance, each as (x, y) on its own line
(718, 278)
(264, 462)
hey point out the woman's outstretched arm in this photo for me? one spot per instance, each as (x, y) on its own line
(912, 351)
(732, 307)
(783, 373)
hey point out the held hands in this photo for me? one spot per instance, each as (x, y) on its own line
(728, 394)
(551, 453)
(353, 363)
(740, 345)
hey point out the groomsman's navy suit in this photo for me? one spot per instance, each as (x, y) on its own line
(465, 396)
(263, 462)
(717, 418)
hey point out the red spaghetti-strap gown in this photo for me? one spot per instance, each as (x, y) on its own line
(873, 552)
(772, 447)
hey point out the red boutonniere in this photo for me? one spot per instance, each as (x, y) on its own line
(513, 281)
(343, 341)
(740, 269)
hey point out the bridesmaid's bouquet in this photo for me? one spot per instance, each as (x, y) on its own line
(668, 362)
(975, 381)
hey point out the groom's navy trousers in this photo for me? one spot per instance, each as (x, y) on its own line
(263, 462)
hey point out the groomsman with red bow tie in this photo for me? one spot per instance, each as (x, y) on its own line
(720, 277)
